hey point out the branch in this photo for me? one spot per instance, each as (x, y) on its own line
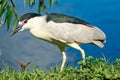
(14, 10)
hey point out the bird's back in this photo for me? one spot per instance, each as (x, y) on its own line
(61, 18)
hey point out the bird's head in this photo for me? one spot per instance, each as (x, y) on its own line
(23, 22)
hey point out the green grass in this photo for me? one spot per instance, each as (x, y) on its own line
(94, 69)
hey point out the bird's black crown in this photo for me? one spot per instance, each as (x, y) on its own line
(28, 16)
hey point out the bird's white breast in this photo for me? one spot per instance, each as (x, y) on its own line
(41, 34)
(38, 29)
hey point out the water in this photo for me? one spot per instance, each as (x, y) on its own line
(23, 47)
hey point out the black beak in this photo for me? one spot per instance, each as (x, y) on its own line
(16, 30)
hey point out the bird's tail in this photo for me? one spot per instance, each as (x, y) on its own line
(98, 43)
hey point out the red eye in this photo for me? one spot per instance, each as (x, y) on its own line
(25, 21)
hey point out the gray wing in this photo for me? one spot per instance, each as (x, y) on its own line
(61, 18)
(76, 33)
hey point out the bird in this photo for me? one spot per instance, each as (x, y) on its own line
(23, 66)
(61, 30)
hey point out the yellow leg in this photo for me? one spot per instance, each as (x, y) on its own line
(63, 61)
(76, 46)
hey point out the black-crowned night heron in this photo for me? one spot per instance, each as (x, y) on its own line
(61, 30)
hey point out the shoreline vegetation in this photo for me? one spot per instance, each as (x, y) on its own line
(94, 69)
